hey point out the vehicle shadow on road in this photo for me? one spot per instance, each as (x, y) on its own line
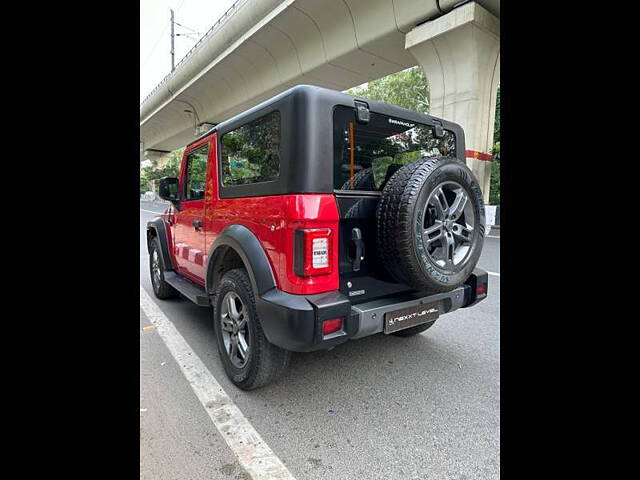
(393, 363)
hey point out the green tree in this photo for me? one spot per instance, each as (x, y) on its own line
(154, 172)
(494, 188)
(408, 89)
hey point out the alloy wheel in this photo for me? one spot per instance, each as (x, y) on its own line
(155, 269)
(449, 222)
(235, 331)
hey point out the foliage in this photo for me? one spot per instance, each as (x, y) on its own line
(407, 89)
(250, 153)
(494, 188)
(153, 172)
(496, 131)
(197, 164)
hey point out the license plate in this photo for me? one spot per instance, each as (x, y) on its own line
(410, 317)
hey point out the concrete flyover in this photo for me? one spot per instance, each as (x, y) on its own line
(262, 47)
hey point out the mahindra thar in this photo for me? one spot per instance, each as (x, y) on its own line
(315, 218)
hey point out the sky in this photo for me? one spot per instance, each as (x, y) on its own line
(155, 34)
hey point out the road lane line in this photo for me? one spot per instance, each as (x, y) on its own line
(492, 236)
(495, 274)
(253, 453)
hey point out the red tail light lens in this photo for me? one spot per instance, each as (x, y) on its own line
(313, 252)
(481, 289)
(330, 326)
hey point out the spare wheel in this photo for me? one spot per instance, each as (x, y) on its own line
(431, 224)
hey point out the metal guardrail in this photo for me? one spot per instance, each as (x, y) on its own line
(216, 26)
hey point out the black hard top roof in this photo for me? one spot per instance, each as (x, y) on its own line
(308, 92)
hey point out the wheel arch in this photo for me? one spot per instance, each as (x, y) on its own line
(237, 246)
(157, 229)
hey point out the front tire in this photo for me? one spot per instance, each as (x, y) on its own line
(249, 360)
(161, 288)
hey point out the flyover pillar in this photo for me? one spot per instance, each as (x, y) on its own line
(460, 55)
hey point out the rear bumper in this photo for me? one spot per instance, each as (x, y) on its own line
(294, 322)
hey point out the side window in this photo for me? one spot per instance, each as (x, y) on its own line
(195, 174)
(251, 153)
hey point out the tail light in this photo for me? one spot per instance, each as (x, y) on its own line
(312, 252)
(481, 289)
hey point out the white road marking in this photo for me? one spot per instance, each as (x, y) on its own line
(492, 236)
(495, 274)
(253, 453)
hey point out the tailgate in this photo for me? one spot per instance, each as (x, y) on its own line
(362, 276)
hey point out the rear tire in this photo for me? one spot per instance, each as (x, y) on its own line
(236, 322)
(411, 331)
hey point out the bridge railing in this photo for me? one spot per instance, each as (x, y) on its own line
(215, 27)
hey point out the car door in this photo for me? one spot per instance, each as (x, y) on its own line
(189, 237)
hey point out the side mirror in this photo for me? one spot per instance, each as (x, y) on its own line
(168, 189)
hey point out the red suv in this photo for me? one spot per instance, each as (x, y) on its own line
(317, 217)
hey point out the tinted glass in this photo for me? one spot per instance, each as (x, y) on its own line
(380, 148)
(196, 174)
(251, 153)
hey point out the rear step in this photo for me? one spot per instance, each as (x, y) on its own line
(193, 292)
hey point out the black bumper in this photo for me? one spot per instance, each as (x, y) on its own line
(294, 322)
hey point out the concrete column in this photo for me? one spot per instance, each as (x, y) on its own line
(460, 55)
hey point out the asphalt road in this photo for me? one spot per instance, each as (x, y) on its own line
(382, 407)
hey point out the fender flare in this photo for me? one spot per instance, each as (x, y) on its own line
(244, 242)
(157, 225)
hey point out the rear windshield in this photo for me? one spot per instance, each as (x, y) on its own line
(367, 155)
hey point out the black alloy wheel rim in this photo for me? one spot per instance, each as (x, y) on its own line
(449, 222)
(235, 330)
(155, 269)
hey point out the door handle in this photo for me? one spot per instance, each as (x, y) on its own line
(197, 224)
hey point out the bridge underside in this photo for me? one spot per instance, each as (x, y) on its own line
(267, 46)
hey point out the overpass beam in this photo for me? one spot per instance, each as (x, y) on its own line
(460, 55)
(159, 156)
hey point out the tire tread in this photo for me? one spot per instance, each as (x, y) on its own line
(394, 217)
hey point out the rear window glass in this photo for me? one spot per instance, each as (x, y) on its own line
(365, 156)
(251, 153)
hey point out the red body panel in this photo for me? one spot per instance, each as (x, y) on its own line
(190, 244)
(272, 219)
